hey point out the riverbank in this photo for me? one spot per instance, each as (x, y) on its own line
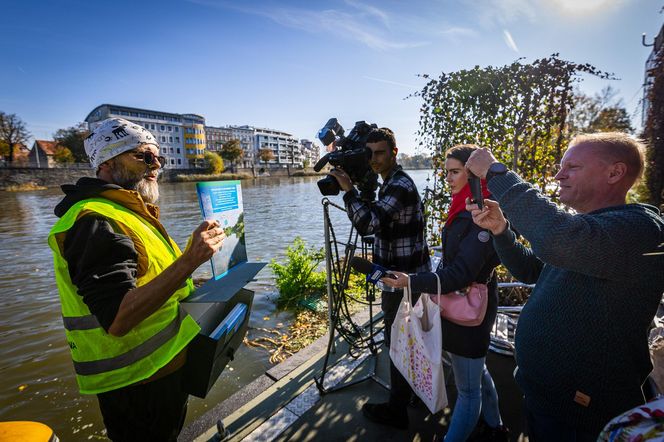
(34, 178)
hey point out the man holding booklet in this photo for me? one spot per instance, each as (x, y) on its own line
(121, 279)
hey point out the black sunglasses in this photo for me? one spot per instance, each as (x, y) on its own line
(148, 158)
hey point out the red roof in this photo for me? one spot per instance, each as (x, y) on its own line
(47, 146)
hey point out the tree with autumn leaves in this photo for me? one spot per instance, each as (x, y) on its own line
(13, 134)
(523, 112)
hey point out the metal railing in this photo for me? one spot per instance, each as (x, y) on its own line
(504, 328)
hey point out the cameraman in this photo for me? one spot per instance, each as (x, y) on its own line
(396, 220)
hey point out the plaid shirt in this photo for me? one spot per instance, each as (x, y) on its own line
(396, 220)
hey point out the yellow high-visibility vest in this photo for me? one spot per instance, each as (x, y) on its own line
(104, 362)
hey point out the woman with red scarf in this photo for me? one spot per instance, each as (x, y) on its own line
(468, 256)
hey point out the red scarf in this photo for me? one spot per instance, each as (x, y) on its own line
(459, 201)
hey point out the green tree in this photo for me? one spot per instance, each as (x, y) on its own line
(13, 133)
(72, 138)
(232, 151)
(519, 111)
(63, 155)
(612, 119)
(4, 149)
(215, 165)
(599, 113)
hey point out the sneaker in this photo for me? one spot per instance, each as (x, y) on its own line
(384, 415)
(485, 433)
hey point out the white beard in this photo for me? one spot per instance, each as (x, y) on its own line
(149, 190)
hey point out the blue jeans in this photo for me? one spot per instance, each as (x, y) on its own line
(476, 392)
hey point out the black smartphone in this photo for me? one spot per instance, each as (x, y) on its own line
(476, 190)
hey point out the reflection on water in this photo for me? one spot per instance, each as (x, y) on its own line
(35, 368)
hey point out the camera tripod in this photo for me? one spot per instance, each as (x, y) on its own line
(339, 317)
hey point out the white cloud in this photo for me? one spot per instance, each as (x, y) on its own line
(371, 10)
(341, 24)
(396, 83)
(368, 27)
(509, 41)
(456, 31)
(503, 12)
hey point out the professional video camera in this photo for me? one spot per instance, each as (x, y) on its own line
(351, 154)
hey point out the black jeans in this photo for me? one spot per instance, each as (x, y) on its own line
(154, 411)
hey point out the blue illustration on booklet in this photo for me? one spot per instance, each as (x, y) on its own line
(222, 201)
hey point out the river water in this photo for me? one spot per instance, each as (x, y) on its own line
(36, 373)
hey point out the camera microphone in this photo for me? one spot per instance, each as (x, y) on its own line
(476, 189)
(373, 271)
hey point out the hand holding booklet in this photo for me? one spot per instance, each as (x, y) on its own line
(222, 201)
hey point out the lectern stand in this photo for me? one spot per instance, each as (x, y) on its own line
(209, 305)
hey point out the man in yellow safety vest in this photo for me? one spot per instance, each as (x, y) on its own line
(121, 279)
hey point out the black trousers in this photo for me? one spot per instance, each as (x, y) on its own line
(154, 411)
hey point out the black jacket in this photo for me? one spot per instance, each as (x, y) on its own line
(468, 256)
(103, 264)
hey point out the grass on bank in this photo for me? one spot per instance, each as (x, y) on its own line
(25, 187)
(299, 173)
(212, 177)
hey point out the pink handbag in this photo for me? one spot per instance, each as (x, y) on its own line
(463, 307)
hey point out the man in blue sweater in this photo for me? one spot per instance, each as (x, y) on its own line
(581, 342)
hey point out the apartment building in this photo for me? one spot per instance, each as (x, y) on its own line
(184, 138)
(217, 136)
(310, 152)
(180, 136)
(285, 148)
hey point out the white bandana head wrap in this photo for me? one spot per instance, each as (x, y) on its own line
(113, 137)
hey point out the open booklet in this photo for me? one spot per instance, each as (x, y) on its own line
(222, 201)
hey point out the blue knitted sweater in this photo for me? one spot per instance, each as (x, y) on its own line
(581, 340)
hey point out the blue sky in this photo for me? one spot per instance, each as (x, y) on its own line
(290, 65)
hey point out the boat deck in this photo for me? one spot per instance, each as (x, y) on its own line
(286, 404)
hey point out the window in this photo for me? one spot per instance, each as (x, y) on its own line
(179, 160)
(162, 127)
(153, 127)
(177, 139)
(172, 161)
(170, 128)
(177, 129)
(178, 152)
(170, 139)
(163, 139)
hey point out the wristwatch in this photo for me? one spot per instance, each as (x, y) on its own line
(494, 170)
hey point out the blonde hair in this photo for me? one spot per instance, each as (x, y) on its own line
(618, 146)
